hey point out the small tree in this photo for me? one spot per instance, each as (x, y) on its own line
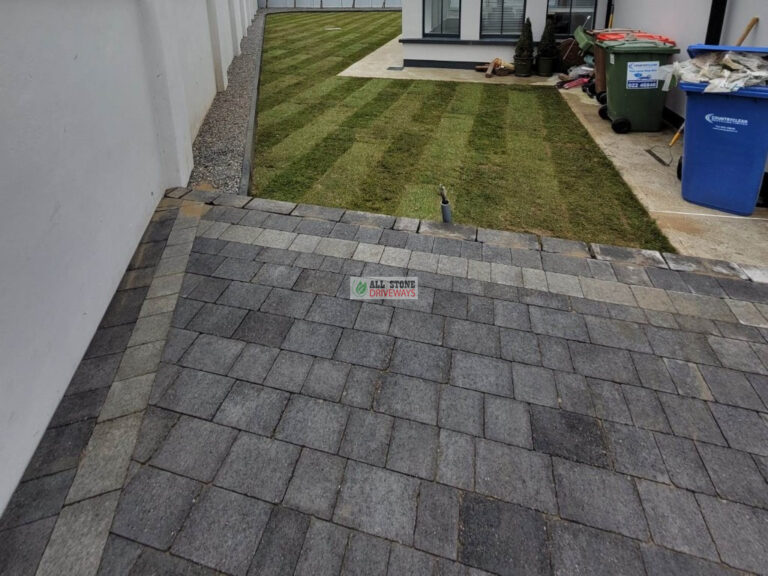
(548, 44)
(524, 46)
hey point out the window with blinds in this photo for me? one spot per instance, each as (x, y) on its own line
(442, 17)
(570, 14)
(502, 17)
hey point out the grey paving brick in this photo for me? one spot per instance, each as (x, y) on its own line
(601, 270)
(599, 498)
(627, 313)
(653, 373)
(212, 354)
(280, 544)
(688, 379)
(176, 343)
(740, 532)
(632, 274)
(507, 421)
(205, 264)
(520, 346)
(124, 307)
(660, 561)
(667, 280)
(702, 306)
(307, 260)
(609, 401)
(254, 363)
(456, 460)
(208, 289)
(184, 312)
(287, 303)
(634, 452)
(511, 315)
(480, 309)
(450, 304)
(196, 393)
(564, 284)
(697, 325)
(312, 338)
(482, 374)
(558, 323)
(108, 341)
(367, 437)
(366, 556)
(140, 360)
(266, 329)
(314, 423)
(377, 501)
(555, 353)
(606, 291)
(461, 410)
(194, 448)
(648, 258)
(360, 387)
(682, 346)
(534, 384)
(502, 538)
(645, 409)
(578, 550)
(472, 337)
(691, 418)
(241, 251)
(413, 449)
(617, 334)
(21, 548)
(409, 562)
(323, 550)
(326, 379)
(744, 429)
(421, 360)
(59, 449)
(569, 435)
(276, 206)
(601, 362)
(37, 499)
(207, 534)
(565, 264)
(737, 355)
(78, 407)
(119, 556)
(683, 463)
(374, 318)
(417, 326)
(258, 467)
(315, 482)
(319, 282)
(731, 387)
(735, 475)
(289, 371)
(206, 246)
(567, 247)
(153, 507)
(661, 319)
(515, 475)
(365, 349)
(252, 408)
(217, 320)
(237, 269)
(277, 256)
(275, 275)
(573, 393)
(437, 523)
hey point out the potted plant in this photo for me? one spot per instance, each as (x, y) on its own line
(524, 51)
(547, 53)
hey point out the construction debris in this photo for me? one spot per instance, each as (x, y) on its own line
(497, 67)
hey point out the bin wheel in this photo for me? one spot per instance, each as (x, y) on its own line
(591, 89)
(621, 125)
(680, 168)
(602, 97)
(603, 112)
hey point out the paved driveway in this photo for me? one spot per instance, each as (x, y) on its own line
(533, 412)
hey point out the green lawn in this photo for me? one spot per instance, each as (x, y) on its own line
(513, 158)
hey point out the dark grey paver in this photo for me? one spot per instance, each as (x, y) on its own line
(78, 407)
(374, 318)
(461, 410)
(275, 275)
(683, 463)
(417, 326)
(237, 269)
(21, 548)
(437, 523)
(287, 303)
(739, 531)
(515, 475)
(679, 345)
(197, 393)
(744, 429)
(579, 550)
(421, 360)
(289, 371)
(377, 501)
(365, 349)
(456, 460)
(511, 315)
(311, 422)
(634, 452)
(408, 397)
(519, 346)
(37, 499)
(735, 475)
(653, 372)
(265, 329)
(662, 562)
(326, 379)
(558, 323)
(312, 338)
(688, 379)
(645, 408)
(252, 408)
(507, 421)
(194, 448)
(617, 334)
(413, 449)
(207, 534)
(360, 387)
(94, 373)
(599, 498)
(254, 363)
(534, 384)
(367, 437)
(472, 337)
(323, 550)
(451, 304)
(280, 544)
(675, 520)
(573, 393)
(691, 418)
(569, 435)
(153, 507)
(502, 538)
(366, 556)
(609, 401)
(315, 482)
(482, 374)
(409, 562)
(731, 387)
(604, 363)
(259, 467)
(212, 354)
(154, 428)
(59, 449)
(334, 311)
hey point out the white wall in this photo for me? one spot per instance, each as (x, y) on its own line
(100, 103)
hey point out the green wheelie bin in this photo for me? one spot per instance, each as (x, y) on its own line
(635, 95)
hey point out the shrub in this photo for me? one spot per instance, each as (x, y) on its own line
(524, 46)
(548, 44)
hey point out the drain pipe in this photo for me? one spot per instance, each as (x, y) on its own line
(445, 205)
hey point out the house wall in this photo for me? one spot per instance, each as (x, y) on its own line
(100, 104)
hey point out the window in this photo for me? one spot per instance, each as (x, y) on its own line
(442, 17)
(502, 17)
(570, 14)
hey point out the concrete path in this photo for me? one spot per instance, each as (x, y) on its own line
(537, 410)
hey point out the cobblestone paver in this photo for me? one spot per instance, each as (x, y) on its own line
(537, 411)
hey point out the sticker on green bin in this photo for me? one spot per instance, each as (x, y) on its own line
(643, 75)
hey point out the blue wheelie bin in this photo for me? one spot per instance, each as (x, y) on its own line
(726, 142)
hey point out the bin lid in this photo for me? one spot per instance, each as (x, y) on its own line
(750, 92)
(698, 49)
(633, 36)
(640, 47)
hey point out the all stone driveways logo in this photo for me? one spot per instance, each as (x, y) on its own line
(382, 288)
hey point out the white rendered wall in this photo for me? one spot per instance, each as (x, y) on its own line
(457, 52)
(100, 103)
